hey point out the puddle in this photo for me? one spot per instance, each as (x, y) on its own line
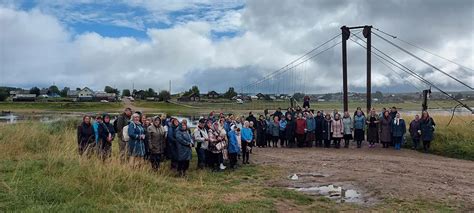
(297, 176)
(336, 193)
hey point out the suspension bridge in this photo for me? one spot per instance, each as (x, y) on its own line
(293, 78)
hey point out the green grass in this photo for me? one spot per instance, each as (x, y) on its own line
(61, 106)
(40, 171)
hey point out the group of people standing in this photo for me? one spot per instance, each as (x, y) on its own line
(306, 128)
(221, 140)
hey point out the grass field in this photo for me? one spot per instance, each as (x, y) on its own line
(41, 172)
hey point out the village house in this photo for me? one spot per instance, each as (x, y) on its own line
(191, 97)
(212, 95)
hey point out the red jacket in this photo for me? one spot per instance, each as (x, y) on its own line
(300, 126)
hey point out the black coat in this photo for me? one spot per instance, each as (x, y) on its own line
(104, 130)
(327, 129)
(85, 134)
(290, 129)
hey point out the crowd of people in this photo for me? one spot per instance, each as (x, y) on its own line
(220, 140)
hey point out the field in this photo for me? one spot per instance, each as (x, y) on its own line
(40, 171)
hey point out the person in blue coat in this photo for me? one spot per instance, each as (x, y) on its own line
(427, 128)
(171, 143)
(247, 137)
(184, 147)
(136, 146)
(233, 149)
(398, 131)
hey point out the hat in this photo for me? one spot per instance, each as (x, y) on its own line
(202, 121)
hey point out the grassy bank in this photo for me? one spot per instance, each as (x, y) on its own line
(40, 171)
(455, 140)
(61, 106)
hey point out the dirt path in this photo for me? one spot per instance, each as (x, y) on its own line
(377, 173)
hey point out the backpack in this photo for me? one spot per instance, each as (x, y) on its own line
(125, 136)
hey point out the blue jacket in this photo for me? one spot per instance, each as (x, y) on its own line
(274, 129)
(95, 126)
(171, 142)
(283, 125)
(359, 122)
(310, 124)
(183, 139)
(246, 134)
(233, 143)
(400, 129)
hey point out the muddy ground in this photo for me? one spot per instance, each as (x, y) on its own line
(377, 174)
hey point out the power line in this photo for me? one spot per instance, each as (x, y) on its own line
(420, 59)
(414, 74)
(430, 52)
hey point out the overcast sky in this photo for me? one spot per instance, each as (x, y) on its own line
(218, 44)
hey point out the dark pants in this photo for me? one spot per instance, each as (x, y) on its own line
(201, 155)
(183, 165)
(415, 143)
(282, 139)
(245, 153)
(385, 144)
(105, 150)
(233, 160)
(327, 143)
(155, 160)
(291, 141)
(268, 138)
(426, 145)
(300, 139)
(337, 143)
(359, 144)
(397, 142)
(213, 160)
(275, 141)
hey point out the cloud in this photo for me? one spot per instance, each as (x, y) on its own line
(38, 46)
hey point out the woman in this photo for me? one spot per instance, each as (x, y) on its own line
(247, 137)
(145, 123)
(136, 146)
(327, 130)
(261, 130)
(156, 135)
(222, 137)
(171, 143)
(414, 130)
(319, 129)
(398, 130)
(385, 129)
(233, 147)
(268, 133)
(185, 144)
(282, 124)
(311, 128)
(275, 131)
(107, 135)
(85, 136)
(290, 130)
(427, 127)
(201, 139)
(359, 127)
(300, 129)
(348, 128)
(373, 128)
(212, 156)
(337, 130)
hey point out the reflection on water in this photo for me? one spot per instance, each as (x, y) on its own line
(11, 118)
(336, 193)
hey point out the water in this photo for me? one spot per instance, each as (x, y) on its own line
(336, 193)
(11, 118)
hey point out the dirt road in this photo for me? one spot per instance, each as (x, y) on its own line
(376, 173)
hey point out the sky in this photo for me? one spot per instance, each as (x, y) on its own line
(228, 43)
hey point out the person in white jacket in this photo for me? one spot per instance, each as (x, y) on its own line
(201, 140)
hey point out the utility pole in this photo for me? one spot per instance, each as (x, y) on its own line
(169, 89)
(368, 34)
(345, 35)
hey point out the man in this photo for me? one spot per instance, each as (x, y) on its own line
(123, 121)
(201, 139)
(251, 118)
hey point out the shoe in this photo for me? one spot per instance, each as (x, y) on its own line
(222, 167)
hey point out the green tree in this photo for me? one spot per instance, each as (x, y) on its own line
(230, 93)
(78, 89)
(164, 95)
(35, 90)
(378, 95)
(64, 91)
(126, 92)
(150, 93)
(109, 89)
(53, 89)
(3, 94)
(194, 89)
